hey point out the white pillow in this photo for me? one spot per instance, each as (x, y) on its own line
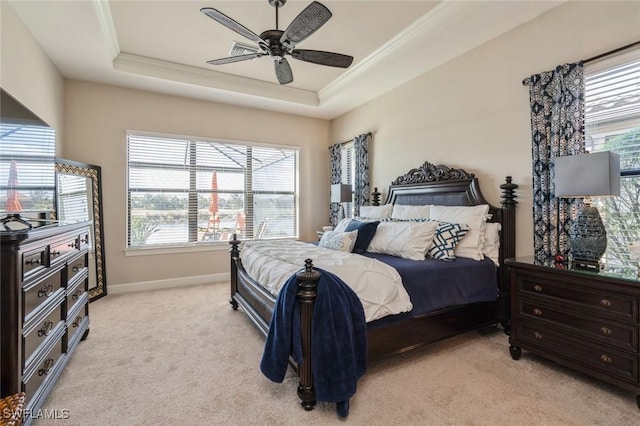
(491, 247)
(409, 240)
(335, 240)
(342, 225)
(474, 217)
(381, 212)
(402, 212)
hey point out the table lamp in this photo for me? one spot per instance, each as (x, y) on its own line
(341, 193)
(585, 176)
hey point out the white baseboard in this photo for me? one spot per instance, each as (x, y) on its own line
(168, 283)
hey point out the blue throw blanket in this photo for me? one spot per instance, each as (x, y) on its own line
(338, 343)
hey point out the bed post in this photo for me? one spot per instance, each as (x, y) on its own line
(507, 245)
(307, 293)
(235, 254)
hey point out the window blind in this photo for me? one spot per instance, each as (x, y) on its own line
(612, 123)
(195, 191)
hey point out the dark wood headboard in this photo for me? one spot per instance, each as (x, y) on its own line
(446, 186)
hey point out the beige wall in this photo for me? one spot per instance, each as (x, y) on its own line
(97, 118)
(473, 113)
(27, 74)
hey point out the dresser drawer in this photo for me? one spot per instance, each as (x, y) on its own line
(622, 335)
(41, 330)
(74, 293)
(610, 362)
(77, 318)
(76, 266)
(614, 305)
(33, 261)
(47, 366)
(61, 250)
(37, 292)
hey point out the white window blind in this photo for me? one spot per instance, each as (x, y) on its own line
(27, 169)
(193, 191)
(348, 172)
(612, 123)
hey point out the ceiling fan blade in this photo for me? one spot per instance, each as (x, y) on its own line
(323, 58)
(237, 58)
(283, 71)
(306, 23)
(231, 24)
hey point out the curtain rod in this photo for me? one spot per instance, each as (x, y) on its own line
(600, 56)
(611, 52)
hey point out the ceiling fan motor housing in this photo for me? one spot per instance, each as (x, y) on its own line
(275, 48)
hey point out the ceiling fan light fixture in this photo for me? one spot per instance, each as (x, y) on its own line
(238, 48)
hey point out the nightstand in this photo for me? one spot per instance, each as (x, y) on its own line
(584, 320)
(319, 234)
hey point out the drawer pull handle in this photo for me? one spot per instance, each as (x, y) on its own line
(46, 329)
(45, 291)
(537, 287)
(605, 302)
(55, 253)
(76, 322)
(605, 358)
(537, 311)
(84, 240)
(605, 330)
(537, 335)
(75, 268)
(73, 245)
(32, 262)
(46, 366)
(76, 295)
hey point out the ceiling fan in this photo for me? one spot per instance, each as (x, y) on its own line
(277, 43)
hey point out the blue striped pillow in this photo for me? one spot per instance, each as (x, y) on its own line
(448, 235)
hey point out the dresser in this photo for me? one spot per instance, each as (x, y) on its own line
(43, 307)
(584, 320)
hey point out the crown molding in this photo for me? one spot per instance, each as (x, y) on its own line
(151, 67)
(105, 19)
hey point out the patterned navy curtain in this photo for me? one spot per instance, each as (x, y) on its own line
(557, 128)
(361, 178)
(335, 153)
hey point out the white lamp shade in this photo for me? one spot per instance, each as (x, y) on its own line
(340, 193)
(587, 175)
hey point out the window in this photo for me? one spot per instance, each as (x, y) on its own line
(186, 191)
(348, 168)
(27, 164)
(612, 123)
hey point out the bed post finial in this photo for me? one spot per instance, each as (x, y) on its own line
(375, 197)
(307, 293)
(508, 193)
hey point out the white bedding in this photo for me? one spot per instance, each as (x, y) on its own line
(377, 284)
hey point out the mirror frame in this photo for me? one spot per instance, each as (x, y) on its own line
(95, 174)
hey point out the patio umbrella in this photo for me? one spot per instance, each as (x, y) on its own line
(13, 204)
(214, 219)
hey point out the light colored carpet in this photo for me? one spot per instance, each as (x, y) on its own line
(183, 356)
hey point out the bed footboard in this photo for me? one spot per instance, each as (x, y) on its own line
(259, 305)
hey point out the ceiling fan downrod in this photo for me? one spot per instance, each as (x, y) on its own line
(277, 4)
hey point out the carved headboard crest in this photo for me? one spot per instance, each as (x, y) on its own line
(430, 173)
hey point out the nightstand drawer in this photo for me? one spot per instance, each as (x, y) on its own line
(610, 362)
(622, 335)
(617, 305)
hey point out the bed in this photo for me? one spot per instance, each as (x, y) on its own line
(428, 184)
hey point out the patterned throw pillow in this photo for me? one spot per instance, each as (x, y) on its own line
(335, 240)
(447, 237)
